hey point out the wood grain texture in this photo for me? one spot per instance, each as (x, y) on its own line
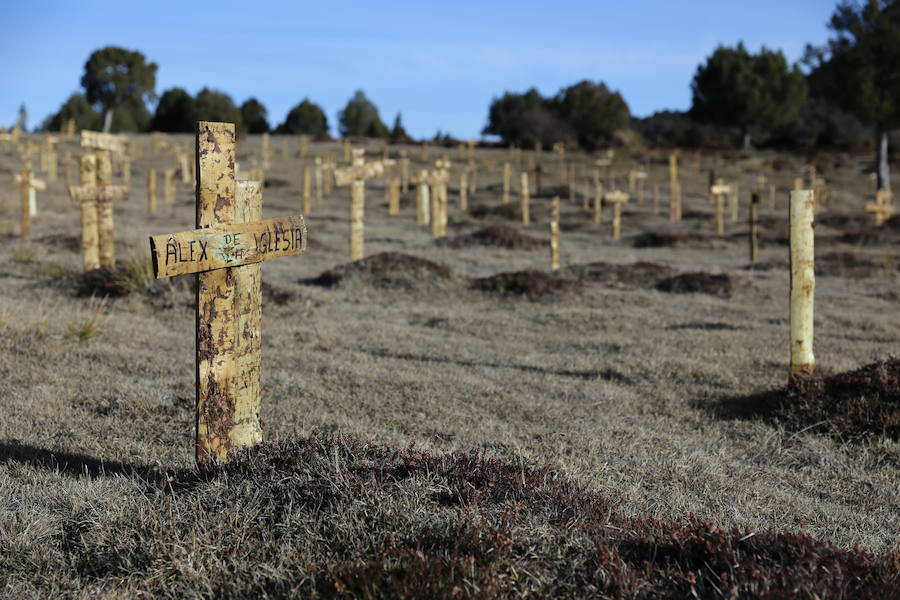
(105, 226)
(104, 141)
(227, 245)
(90, 246)
(803, 282)
(215, 296)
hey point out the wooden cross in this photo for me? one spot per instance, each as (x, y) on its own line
(464, 190)
(617, 198)
(640, 177)
(883, 207)
(159, 141)
(355, 175)
(404, 170)
(306, 195)
(718, 191)
(95, 196)
(225, 251)
(598, 200)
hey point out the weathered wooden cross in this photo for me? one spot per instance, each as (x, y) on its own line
(617, 198)
(355, 176)
(95, 195)
(439, 178)
(554, 234)
(524, 198)
(29, 201)
(225, 251)
(883, 207)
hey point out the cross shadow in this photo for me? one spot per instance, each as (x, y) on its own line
(607, 374)
(80, 465)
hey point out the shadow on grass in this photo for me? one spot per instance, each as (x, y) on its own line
(80, 465)
(607, 374)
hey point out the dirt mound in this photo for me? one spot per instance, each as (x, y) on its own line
(888, 233)
(853, 405)
(501, 529)
(126, 277)
(510, 211)
(530, 283)
(653, 239)
(837, 220)
(495, 236)
(699, 282)
(390, 270)
(639, 274)
(851, 265)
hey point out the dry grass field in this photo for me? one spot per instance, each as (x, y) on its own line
(445, 432)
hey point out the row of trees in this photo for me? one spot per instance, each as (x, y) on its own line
(119, 83)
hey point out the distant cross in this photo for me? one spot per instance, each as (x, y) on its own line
(95, 200)
(883, 207)
(29, 185)
(225, 251)
(355, 176)
(718, 191)
(616, 198)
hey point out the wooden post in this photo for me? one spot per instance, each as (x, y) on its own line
(524, 198)
(96, 196)
(554, 234)
(507, 175)
(26, 202)
(718, 192)
(464, 190)
(355, 175)
(169, 186)
(394, 196)
(803, 283)
(439, 200)
(345, 144)
(735, 197)
(882, 209)
(617, 198)
(423, 201)
(598, 202)
(151, 191)
(220, 251)
(307, 189)
(640, 177)
(754, 227)
(318, 175)
(404, 171)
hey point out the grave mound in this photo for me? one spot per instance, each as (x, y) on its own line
(121, 280)
(639, 274)
(888, 233)
(391, 270)
(699, 282)
(495, 236)
(530, 283)
(277, 294)
(510, 211)
(853, 405)
(652, 239)
(487, 533)
(851, 265)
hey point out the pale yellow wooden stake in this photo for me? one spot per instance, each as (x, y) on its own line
(464, 190)
(524, 198)
(319, 177)
(151, 191)
(617, 198)
(554, 234)
(754, 227)
(307, 188)
(598, 202)
(394, 195)
(345, 144)
(735, 197)
(507, 176)
(803, 283)
(183, 168)
(169, 186)
(357, 216)
(423, 200)
(718, 192)
(26, 208)
(404, 171)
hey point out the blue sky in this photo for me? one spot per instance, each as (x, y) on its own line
(439, 64)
